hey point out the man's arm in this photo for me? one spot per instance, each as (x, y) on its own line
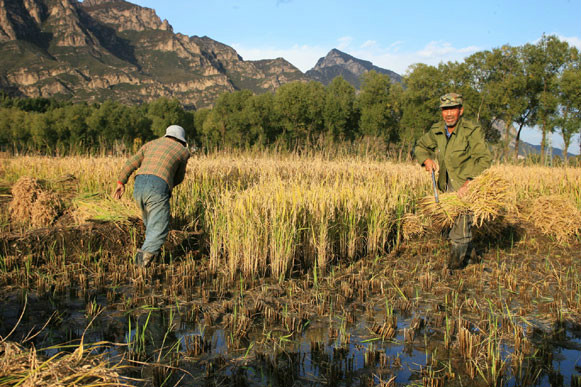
(424, 151)
(481, 154)
(479, 151)
(181, 172)
(130, 166)
(119, 191)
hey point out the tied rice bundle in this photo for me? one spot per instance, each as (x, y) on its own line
(554, 215)
(32, 204)
(444, 213)
(488, 197)
(412, 226)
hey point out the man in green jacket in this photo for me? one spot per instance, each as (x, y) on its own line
(461, 153)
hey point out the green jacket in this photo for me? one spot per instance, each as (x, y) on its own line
(464, 156)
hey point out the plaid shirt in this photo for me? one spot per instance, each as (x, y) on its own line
(164, 157)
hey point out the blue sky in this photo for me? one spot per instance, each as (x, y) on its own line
(391, 34)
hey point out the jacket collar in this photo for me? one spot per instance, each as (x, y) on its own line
(442, 127)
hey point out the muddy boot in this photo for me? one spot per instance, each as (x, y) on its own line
(457, 256)
(472, 257)
(148, 258)
(138, 259)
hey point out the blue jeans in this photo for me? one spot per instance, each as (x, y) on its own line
(152, 195)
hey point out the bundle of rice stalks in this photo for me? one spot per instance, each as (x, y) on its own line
(444, 213)
(554, 215)
(33, 204)
(412, 226)
(22, 367)
(102, 207)
(488, 197)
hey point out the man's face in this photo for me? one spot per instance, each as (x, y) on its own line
(452, 114)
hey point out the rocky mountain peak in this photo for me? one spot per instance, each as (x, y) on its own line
(337, 63)
(19, 19)
(94, 50)
(337, 58)
(125, 16)
(95, 3)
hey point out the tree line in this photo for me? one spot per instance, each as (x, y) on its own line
(505, 89)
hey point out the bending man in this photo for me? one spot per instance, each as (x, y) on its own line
(161, 165)
(459, 147)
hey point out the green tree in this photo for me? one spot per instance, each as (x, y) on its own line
(421, 100)
(545, 61)
(567, 117)
(164, 112)
(340, 114)
(43, 134)
(299, 109)
(260, 113)
(377, 118)
(228, 124)
(200, 117)
(508, 99)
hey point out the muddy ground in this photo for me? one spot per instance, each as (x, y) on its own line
(399, 318)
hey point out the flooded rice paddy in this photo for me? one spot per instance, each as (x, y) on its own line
(394, 319)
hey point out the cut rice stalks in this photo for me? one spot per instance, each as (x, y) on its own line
(554, 215)
(34, 204)
(25, 367)
(102, 207)
(488, 197)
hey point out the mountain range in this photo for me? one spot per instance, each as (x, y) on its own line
(112, 49)
(95, 50)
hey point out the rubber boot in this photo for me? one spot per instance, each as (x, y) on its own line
(457, 256)
(138, 259)
(471, 256)
(148, 258)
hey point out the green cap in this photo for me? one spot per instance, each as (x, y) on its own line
(451, 100)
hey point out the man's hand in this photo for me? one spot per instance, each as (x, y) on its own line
(430, 165)
(119, 191)
(464, 189)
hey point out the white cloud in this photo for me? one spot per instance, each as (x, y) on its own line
(393, 57)
(369, 43)
(395, 46)
(344, 42)
(396, 58)
(573, 41)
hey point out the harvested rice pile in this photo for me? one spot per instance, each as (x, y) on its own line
(412, 226)
(488, 197)
(22, 367)
(32, 204)
(554, 215)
